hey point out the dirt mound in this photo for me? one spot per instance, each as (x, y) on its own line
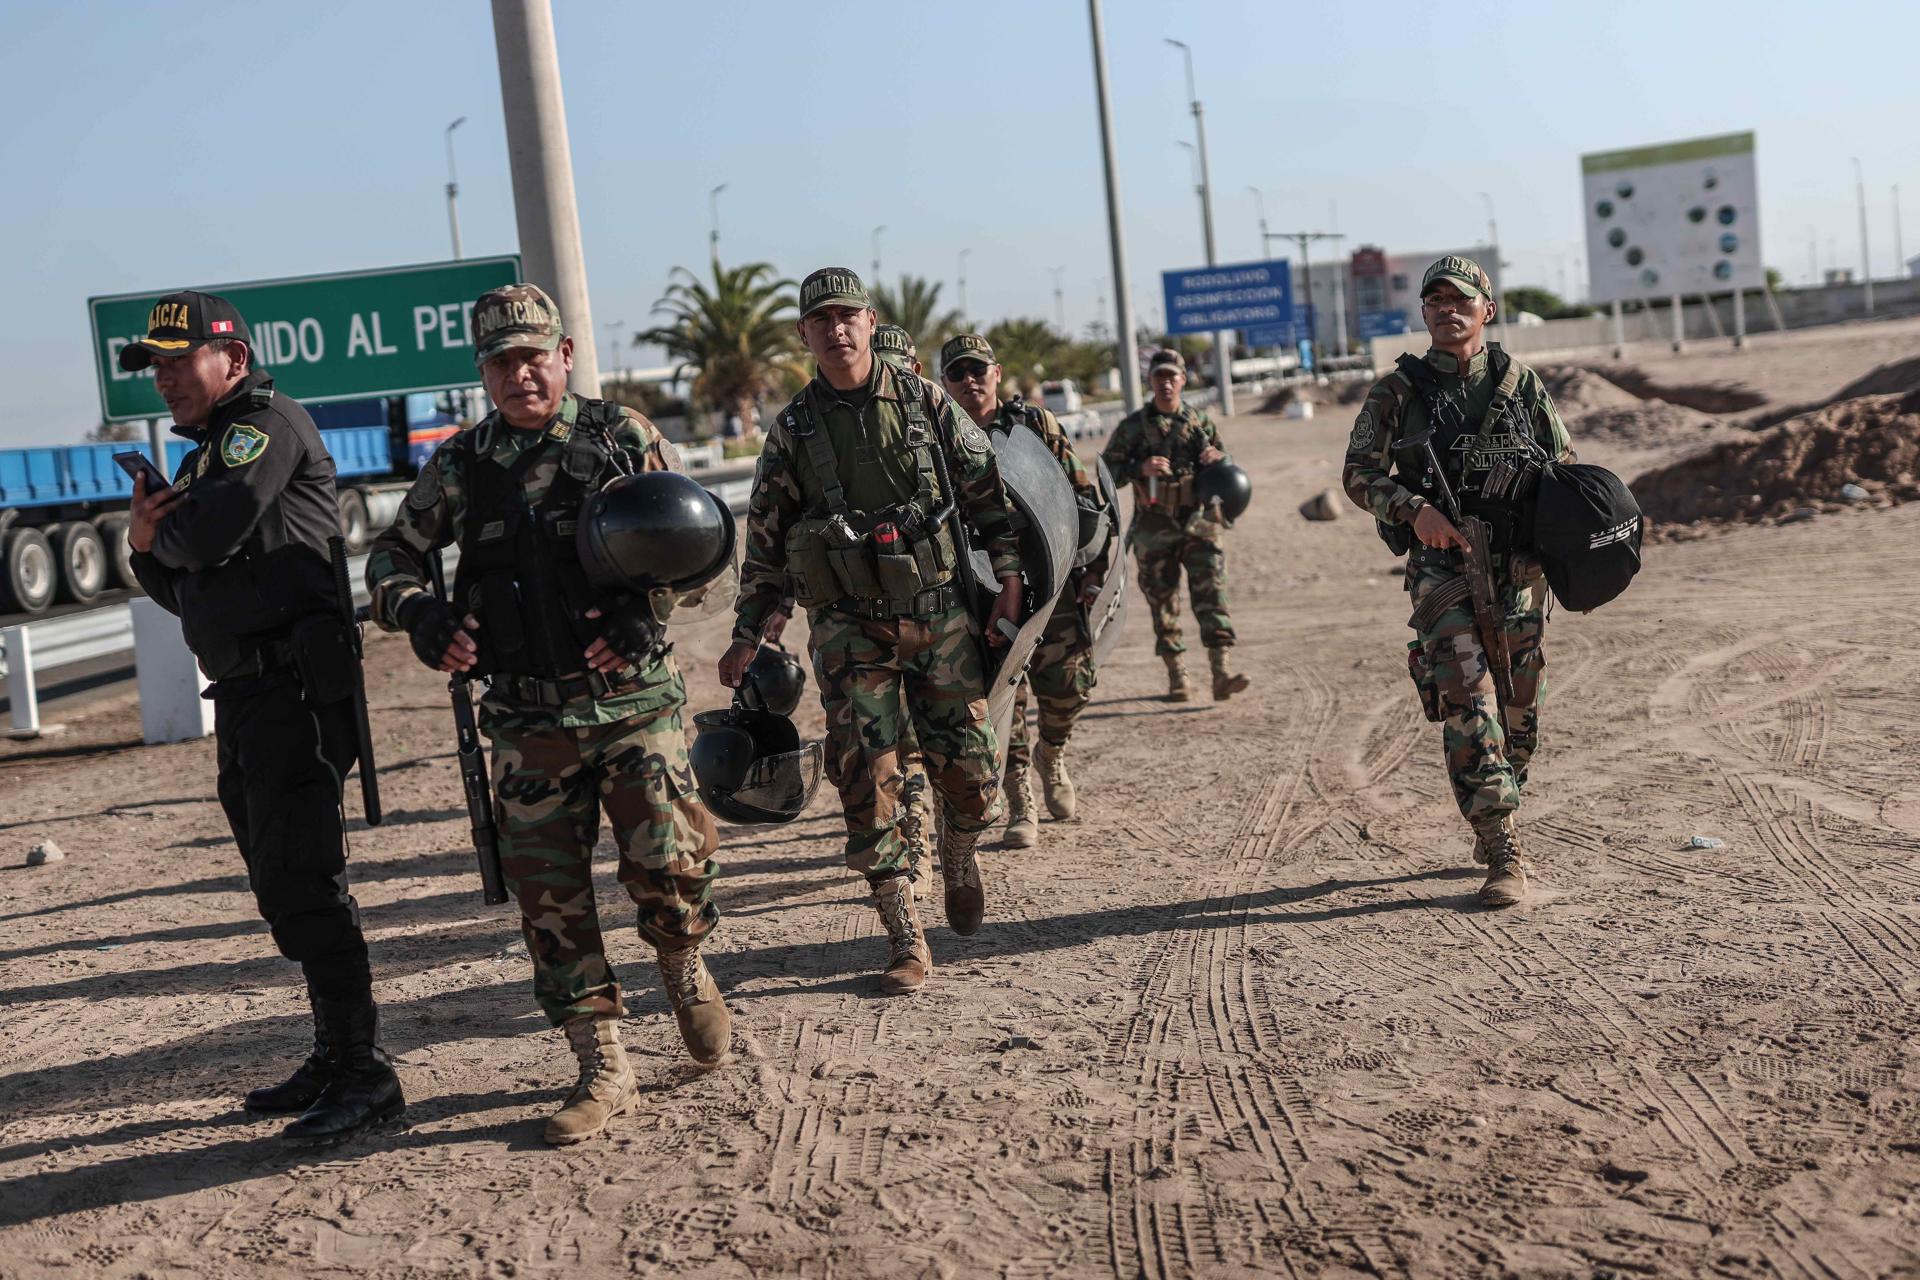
(1801, 465)
(1707, 397)
(1895, 378)
(1576, 390)
(1638, 424)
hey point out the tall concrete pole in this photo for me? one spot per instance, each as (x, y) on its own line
(713, 222)
(1899, 250)
(963, 284)
(542, 162)
(1126, 341)
(1222, 339)
(1499, 276)
(1866, 257)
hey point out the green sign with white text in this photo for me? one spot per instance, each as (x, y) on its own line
(349, 336)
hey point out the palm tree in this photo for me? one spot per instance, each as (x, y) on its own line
(1028, 351)
(737, 334)
(915, 307)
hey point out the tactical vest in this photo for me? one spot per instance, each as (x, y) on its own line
(519, 571)
(1170, 497)
(1494, 470)
(896, 562)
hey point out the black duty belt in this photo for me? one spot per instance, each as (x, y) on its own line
(558, 692)
(925, 604)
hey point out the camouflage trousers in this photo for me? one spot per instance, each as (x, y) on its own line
(878, 678)
(1163, 549)
(550, 786)
(1061, 677)
(1486, 759)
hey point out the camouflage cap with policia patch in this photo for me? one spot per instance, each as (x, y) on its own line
(832, 287)
(1463, 274)
(965, 346)
(515, 315)
(182, 321)
(892, 340)
(1166, 358)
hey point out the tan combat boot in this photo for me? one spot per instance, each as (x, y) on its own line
(1176, 678)
(705, 1024)
(908, 959)
(1054, 780)
(1023, 829)
(960, 869)
(607, 1087)
(1225, 683)
(916, 820)
(1506, 882)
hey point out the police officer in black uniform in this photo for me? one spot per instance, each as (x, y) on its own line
(237, 547)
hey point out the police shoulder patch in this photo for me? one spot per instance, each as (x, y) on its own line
(425, 493)
(1363, 430)
(242, 444)
(972, 437)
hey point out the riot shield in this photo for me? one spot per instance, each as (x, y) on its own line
(1047, 524)
(1107, 615)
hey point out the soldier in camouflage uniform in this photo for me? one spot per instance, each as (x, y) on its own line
(1490, 415)
(1060, 672)
(584, 702)
(917, 821)
(1159, 447)
(851, 477)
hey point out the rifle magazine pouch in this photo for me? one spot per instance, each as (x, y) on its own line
(1420, 667)
(323, 655)
(810, 576)
(899, 575)
(854, 570)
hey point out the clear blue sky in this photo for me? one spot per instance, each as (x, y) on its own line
(159, 144)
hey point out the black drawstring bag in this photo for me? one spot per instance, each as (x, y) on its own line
(1586, 530)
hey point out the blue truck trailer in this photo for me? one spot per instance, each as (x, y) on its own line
(63, 508)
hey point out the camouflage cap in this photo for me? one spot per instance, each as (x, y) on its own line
(832, 287)
(515, 315)
(892, 340)
(1166, 358)
(1463, 273)
(965, 346)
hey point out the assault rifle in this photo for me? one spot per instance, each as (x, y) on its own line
(362, 730)
(1489, 611)
(473, 769)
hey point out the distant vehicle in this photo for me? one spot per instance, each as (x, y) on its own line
(63, 508)
(1060, 396)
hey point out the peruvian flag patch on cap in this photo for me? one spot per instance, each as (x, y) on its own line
(221, 326)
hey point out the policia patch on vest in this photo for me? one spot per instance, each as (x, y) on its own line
(972, 437)
(243, 443)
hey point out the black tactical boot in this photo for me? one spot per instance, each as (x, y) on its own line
(363, 1091)
(303, 1087)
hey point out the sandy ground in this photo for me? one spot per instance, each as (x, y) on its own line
(1242, 1018)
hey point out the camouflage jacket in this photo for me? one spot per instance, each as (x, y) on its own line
(1394, 411)
(1179, 437)
(435, 514)
(877, 472)
(1085, 489)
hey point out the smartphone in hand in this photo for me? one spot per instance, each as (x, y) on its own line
(135, 464)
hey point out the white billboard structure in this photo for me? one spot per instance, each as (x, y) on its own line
(1672, 220)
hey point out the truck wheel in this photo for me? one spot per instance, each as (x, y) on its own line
(113, 532)
(353, 520)
(26, 571)
(82, 558)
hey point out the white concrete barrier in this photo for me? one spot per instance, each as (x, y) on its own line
(171, 708)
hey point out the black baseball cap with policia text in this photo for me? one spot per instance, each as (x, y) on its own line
(182, 321)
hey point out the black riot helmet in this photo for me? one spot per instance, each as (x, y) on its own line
(1226, 483)
(774, 681)
(657, 529)
(751, 765)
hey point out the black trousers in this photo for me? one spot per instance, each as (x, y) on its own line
(282, 762)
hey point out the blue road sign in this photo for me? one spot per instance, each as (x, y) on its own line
(1382, 324)
(1245, 295)
(1285, 334)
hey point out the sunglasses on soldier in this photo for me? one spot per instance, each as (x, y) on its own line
(964, 370)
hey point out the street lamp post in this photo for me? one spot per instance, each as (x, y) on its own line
(1499, 289)
(1126, 341)
(876, 253)
(453, 190)
(1222, 340)
(1059, 301)
(713, 221)
(1866, 258)
(617, 326)
(1260, 208)
(963, 283)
